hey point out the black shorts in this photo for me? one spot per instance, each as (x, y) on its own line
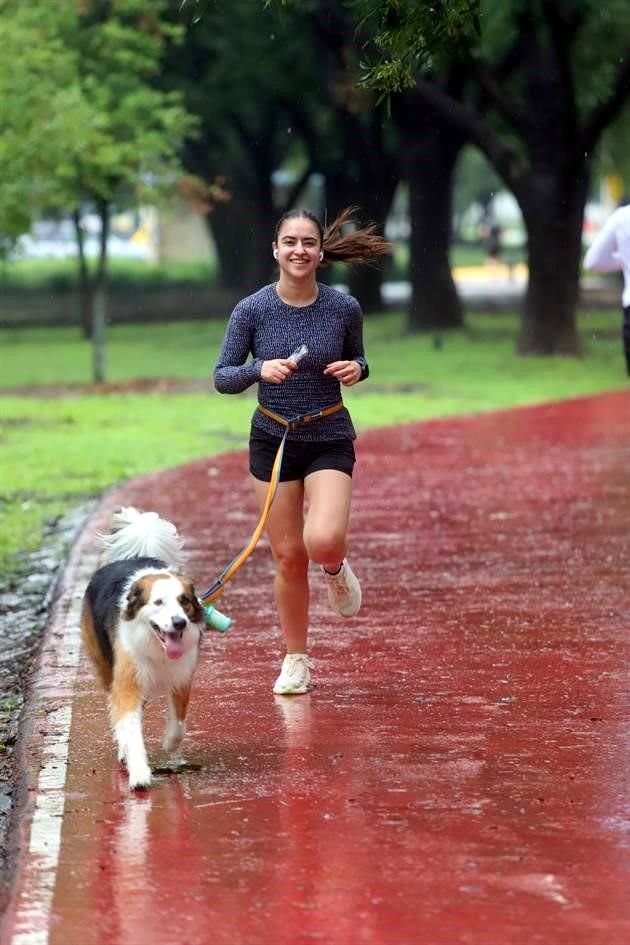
(299, 458)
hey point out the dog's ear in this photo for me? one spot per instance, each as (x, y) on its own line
(190, 602)
(136, 599)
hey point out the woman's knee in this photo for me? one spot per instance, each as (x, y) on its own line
(324, 545)
(291, 560)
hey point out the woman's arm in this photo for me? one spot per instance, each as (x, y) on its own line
(352, 367)
(353, 344)
(233, 373)
(602, 255)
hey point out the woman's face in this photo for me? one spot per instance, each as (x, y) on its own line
(298, 247)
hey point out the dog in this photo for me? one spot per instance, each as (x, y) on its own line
(142, 625)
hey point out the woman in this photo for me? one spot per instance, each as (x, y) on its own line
(610, 251)
(319, 455)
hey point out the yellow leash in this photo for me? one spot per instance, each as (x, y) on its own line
(228, 573)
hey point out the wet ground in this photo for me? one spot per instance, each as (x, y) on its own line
(459, 775)
(24, 610)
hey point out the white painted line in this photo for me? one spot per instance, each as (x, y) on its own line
(31, 924)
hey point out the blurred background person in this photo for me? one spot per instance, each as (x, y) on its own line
(609, 252)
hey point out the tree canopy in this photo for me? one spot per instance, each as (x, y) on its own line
(39, 144)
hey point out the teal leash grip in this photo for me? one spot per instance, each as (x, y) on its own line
(215, 619)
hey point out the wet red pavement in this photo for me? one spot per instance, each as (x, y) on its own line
(460, 776)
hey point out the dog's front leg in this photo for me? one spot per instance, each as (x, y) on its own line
(176, 720)
(128, 730)
(126, 700)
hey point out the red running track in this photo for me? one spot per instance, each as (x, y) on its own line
(458, 777)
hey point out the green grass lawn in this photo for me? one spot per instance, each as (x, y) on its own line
(54, 274)
(30, 274)
(57, 451)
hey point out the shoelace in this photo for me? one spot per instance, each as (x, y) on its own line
(339, 580)
(294, 660)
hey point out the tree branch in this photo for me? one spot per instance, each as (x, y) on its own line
(459, 115)
(507, 109)
(562, 30)
(604, 113)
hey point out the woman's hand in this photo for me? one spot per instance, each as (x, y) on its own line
(346, 372)
(277, 370)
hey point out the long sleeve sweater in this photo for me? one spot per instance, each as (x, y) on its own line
(610, 250)
(266, 327)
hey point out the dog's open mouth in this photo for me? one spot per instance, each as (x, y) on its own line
(171, 641)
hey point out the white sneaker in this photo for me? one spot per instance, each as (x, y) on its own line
(344, 590)
(295, 675)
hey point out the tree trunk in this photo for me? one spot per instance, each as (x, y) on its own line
(365, 285)
(99, 313)
(553, 209)
(86, 304)
(243, 232)
(430, 151)
(99, 318)
(372, 191)
(85, 289)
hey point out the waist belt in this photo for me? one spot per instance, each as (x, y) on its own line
(296, 422)
(228, 572)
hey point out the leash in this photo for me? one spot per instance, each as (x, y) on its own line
(216, 589)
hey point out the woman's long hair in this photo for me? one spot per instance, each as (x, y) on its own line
(359, 245)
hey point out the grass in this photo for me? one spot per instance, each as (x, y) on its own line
(27, 275)
(40, 274)
(58, 451)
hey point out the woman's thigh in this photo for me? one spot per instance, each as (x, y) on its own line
(329, 494)
(285, 522)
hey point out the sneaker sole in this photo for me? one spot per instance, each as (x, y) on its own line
(351, 613)
(301, 691)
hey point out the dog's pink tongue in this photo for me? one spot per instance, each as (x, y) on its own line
(174, 647)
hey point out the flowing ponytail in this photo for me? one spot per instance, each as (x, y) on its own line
(361, 245)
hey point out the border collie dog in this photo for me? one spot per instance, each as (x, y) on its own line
(141, 625)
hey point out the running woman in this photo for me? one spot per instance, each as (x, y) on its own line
(306, 343)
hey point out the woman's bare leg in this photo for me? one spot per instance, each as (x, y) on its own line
(284, 530)
(329, 493)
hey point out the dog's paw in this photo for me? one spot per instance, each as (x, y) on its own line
(171, 743)
(139, 777)
(173, 736)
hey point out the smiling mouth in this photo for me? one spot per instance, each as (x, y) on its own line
(171, 642)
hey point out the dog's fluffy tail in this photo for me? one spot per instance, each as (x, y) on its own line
(142, 534)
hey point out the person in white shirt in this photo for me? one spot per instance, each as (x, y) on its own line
(610, 251)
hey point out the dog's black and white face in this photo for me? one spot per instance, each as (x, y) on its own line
(168, 605)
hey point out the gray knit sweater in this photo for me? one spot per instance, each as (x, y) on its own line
(266, 327)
